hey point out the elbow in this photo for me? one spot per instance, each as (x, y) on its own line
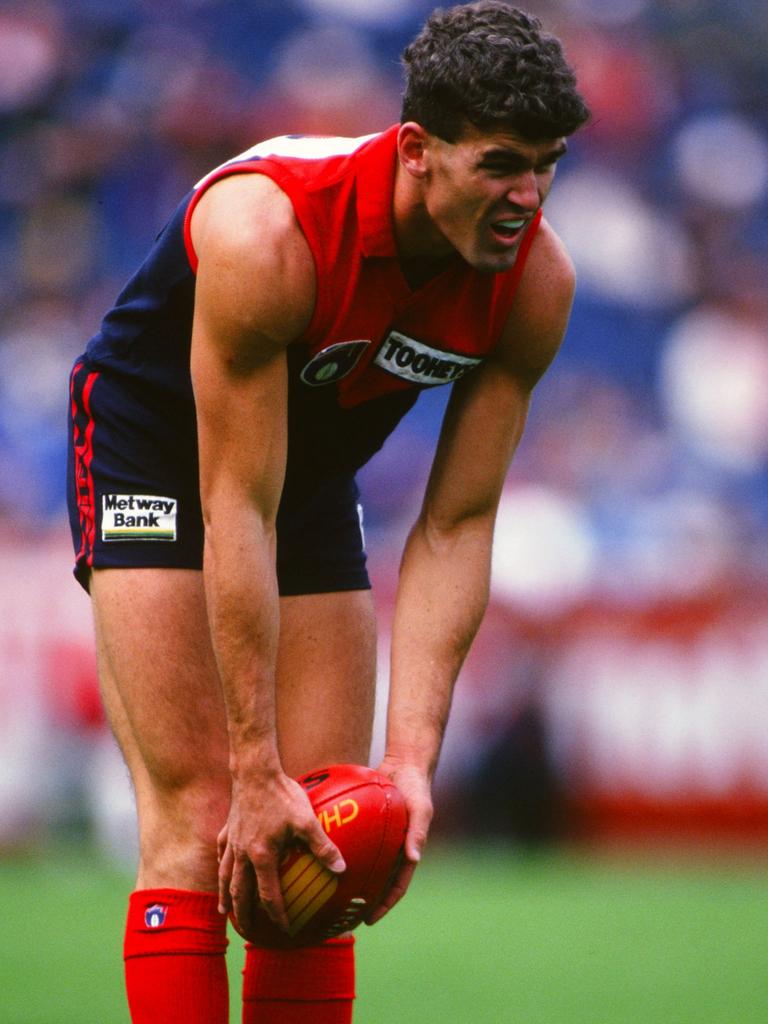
(457, 547)
(237, 524)
(443, 531)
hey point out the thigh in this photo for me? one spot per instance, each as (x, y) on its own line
(326, 679)
(154, 644)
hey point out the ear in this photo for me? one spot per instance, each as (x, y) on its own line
(413, 148)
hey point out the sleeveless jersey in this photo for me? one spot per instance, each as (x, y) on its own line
(373, 342)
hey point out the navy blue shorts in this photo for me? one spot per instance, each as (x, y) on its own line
(134, 501)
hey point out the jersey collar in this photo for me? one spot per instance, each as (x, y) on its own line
(375, 177)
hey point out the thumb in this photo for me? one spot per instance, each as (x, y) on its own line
(419, 820)
(325, 851)
(414, 841)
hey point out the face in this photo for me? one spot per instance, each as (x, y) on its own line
(481, 192)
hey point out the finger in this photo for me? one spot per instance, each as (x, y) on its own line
(414, 844)
(242, 889)
(324, 850)
(395, 892)
(221, 843)
(416, 837)
(271, 894)
(226, 864)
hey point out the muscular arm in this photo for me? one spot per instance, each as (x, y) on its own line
(445, 572)
(254, 294)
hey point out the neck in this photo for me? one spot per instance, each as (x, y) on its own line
(419, 272)
(419, 243)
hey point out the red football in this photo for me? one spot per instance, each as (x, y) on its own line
(365, 815)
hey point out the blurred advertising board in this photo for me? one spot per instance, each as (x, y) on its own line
(654, 717)
(657, 716)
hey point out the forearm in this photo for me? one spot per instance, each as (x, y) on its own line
(242, 597)
(442, 596)
(268, 810)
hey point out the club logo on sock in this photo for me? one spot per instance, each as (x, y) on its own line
(154, 916)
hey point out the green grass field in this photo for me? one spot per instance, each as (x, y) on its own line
(485, 936)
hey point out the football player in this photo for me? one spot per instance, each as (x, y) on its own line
(288, 315)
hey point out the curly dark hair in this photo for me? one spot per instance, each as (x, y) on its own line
(493, 66)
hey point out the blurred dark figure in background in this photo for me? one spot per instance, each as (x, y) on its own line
(516, 793)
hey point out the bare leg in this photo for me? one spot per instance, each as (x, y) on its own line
(325, 699)
(163, 698)
(326, 679)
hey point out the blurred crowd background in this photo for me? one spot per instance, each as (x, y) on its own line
(620, 684)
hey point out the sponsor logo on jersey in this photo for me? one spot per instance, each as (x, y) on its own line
(154, 916)
(333, 363)
(418, 363)
(138, 517)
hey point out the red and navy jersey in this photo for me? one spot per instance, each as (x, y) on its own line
(373, 342)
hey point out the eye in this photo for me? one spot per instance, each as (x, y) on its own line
(501, 168)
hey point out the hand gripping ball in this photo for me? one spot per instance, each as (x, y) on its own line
(364, 813)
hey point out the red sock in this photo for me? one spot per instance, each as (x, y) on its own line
(315, 985)
(175, 966)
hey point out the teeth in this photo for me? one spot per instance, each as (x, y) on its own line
(513, 225)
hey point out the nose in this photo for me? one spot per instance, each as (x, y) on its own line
(524, 192)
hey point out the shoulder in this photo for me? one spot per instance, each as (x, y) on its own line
(542, 305)
(249, 244)
(549, 279)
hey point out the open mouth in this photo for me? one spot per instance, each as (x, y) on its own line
(509, 228)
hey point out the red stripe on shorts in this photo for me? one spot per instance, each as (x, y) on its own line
(83, 444)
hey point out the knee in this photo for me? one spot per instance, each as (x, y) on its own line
(196, 805)
(179, 824)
